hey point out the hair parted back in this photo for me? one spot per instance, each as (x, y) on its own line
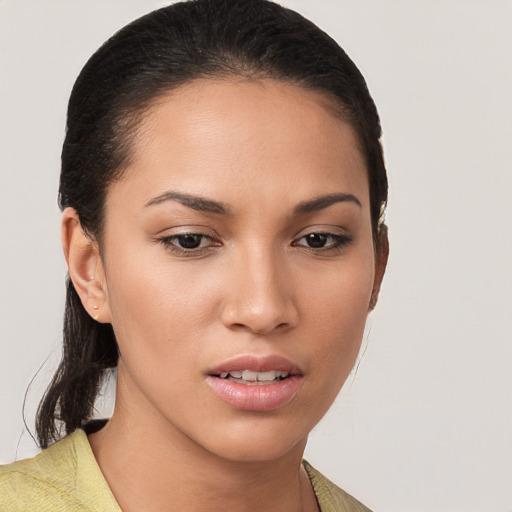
(149, 57)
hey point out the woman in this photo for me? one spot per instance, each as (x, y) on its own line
(223, 190)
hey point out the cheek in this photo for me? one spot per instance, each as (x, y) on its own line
(339, 294)
(154, 302)
(337, 308)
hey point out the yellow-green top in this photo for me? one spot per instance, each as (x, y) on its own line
(66, 477)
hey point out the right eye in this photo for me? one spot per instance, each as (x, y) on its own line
(188, 243)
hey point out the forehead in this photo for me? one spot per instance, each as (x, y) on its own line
(232, 139)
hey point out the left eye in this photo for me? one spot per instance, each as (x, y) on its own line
(322, 241)
(189, 241)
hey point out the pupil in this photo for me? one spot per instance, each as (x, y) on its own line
(189, 241)
(316, 240)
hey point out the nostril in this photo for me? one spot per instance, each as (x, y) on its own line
(263, 331)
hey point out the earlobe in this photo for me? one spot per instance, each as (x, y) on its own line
(381, 261)
(85, 267)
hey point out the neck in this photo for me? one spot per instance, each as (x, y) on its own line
(150, 465)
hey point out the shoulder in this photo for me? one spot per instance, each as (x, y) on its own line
(57, 479)
(329, 496)
(43, 482)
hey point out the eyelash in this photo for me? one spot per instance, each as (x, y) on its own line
(169, 242)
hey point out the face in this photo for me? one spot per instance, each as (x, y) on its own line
(238, 266)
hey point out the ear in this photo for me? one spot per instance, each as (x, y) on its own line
(381, 261)
(85, 267)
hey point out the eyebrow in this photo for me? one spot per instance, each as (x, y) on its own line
(202, 204)
(195, 202)
(322, 202)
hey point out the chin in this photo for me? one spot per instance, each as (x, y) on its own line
(258, 441)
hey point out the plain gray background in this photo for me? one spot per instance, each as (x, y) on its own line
(425, 424)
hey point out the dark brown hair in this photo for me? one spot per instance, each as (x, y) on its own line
(152, 55)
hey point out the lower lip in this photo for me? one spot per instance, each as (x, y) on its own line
(262, 397)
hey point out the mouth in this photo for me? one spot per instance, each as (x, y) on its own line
(254, 383)
(250, 378)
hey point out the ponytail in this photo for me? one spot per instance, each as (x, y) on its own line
(89, 348)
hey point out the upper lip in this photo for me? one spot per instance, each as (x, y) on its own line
(257, 364)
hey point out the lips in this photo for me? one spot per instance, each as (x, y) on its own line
(257, 364)
(256, 383)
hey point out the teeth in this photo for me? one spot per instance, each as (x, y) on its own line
(251, 376)
(248, 375)
(267, 375)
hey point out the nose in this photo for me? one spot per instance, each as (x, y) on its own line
(259, 294)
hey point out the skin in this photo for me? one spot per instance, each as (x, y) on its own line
(254, 286)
